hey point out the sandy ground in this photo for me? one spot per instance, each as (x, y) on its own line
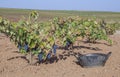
(66, 67)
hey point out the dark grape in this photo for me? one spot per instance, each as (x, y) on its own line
(19, 46)
(67, 44)
(48, 56)
(26, 47)
(54, 49)
(40, 56)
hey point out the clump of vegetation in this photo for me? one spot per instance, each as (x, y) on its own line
(92, 31)
(42, 39)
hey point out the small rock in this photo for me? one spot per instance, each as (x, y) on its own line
(37, 64)
(83, 51)
(116, 68)
(83, 75)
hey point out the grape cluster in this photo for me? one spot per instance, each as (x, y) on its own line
(49, 56)
(40, 56)
(54, 49)
(26, 47)
(68, 44)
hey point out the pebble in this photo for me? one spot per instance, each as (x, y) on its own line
(83, 75)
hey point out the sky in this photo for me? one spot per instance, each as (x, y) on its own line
(82, 5)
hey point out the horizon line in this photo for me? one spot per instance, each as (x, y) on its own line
(58, 9)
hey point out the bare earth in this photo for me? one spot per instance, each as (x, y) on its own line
(18, 67)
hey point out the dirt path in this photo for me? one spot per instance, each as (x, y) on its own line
(18, 67)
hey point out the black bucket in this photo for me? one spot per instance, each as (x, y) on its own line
(92, 59)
